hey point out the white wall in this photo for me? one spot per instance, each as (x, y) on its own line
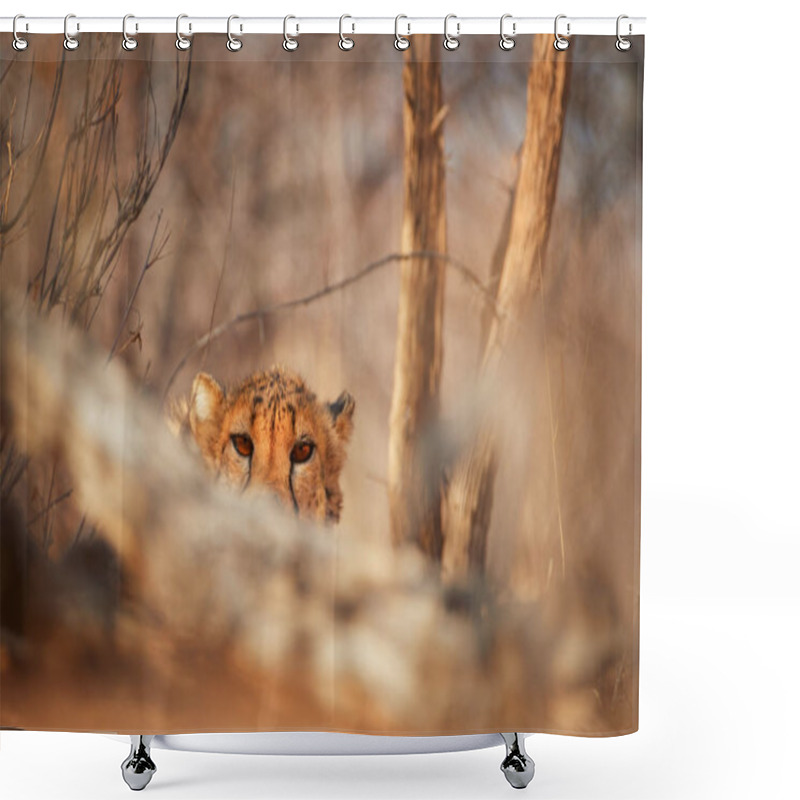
(720, 696)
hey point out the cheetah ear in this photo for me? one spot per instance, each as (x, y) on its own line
(341, 411)
(205, 408)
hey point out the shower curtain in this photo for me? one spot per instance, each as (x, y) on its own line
(320, 385)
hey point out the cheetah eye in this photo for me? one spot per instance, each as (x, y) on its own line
(302, 452)
(243, 444)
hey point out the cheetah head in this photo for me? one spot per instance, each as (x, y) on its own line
(271, 432)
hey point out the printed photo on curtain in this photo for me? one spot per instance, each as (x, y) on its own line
(320, 377)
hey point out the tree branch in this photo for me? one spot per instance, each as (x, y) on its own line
(319, 294)
(468, 505)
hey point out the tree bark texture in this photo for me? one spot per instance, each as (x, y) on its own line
(468, 504)
(414, 476)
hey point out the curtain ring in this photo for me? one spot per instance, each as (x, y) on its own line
(623, 44)
(128, 42)
(70, 41)
(19, 44)
(181, 42)
(401, 42)
(451, 42)
(560, 43)
(507, 42)
(233, 44)
(290, 43)
(345, 42)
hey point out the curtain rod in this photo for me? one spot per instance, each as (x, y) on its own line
(297, 26)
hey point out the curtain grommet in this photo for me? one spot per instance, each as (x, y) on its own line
(128, 42)
(182, 42)
(401, 42)
(507, 41)
(18, 43)
(345, 42)
(451, 42)
(622, 44)
(560, 42)
(70, 42)
(290, 43)
(233, 44)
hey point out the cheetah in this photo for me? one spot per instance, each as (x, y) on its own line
(270, 431)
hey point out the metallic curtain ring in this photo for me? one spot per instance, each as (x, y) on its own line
(345, 42)
(507, 42)
(290, 43)
(622, 44)
(70, 42)
(451, 42)
(401, 42)
(560, 43)
(19, 44)
(181, 42)
(233, 44)
(128, 42)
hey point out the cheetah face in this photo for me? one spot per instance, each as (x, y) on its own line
(271, 432)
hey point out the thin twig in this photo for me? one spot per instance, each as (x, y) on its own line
(148, 262)
(50, 506)
(262, 313)
(47, 527)
(77, 536)
(44, 138)
(14, 466)
(224, 261)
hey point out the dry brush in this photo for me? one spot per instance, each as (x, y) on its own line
(225, 586)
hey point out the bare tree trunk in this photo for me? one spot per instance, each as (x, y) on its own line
(468, 505)
(414, 479)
